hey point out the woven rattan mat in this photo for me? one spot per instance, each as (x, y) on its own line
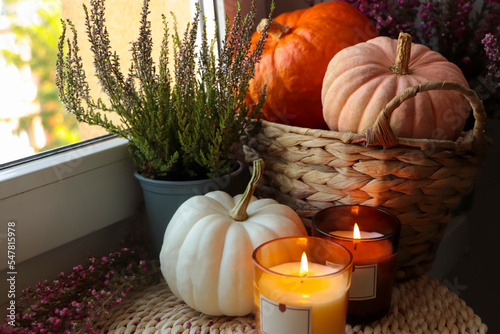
(421, 305)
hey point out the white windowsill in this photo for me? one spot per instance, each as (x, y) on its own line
(54, 168)
(60, 198)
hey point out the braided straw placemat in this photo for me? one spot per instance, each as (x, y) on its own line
(421, 181)
(421, 305)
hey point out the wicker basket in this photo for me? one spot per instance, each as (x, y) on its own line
(421, 181)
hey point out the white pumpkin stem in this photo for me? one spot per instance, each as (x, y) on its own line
(402, 63)
(276, 30)
(239, 212)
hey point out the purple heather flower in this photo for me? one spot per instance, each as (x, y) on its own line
(64, 311)
(78, 300)
(492, 51)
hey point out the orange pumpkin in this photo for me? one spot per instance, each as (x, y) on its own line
(296, 54)
(362, 79)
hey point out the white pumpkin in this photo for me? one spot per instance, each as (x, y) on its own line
(206, 257)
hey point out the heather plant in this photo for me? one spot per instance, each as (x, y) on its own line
(179, 126)
(465, 32)
(75, 302)
(459, 30)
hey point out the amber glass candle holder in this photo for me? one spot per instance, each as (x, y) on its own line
(374, 255)
(287, 300)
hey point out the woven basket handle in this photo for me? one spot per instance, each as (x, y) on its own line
(381, 133)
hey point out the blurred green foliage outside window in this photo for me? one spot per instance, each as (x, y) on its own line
(32, 119)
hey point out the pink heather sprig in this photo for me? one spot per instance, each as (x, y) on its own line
(450, 28)
(492, 49)
(390, 17)
(73, 303)
(464, 32)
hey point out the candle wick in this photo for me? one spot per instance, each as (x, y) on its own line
(355, 245)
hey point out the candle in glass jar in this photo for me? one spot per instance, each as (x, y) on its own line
(289, 299)
(373, 246)
(372, 260)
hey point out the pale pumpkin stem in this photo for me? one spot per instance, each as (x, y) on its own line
(276, 30)
(402, 63)
(239, 212)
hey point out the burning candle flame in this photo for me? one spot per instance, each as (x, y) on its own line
(356, 234)
(304, 269)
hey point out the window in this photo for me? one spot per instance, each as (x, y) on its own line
(32, 119)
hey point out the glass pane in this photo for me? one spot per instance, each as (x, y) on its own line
(32, 119)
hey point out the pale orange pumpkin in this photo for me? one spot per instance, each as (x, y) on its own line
(362, 79)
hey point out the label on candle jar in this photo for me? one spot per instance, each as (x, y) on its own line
(363, 282)
(277, 318)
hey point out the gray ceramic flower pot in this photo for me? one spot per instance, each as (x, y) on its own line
(163, 198)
